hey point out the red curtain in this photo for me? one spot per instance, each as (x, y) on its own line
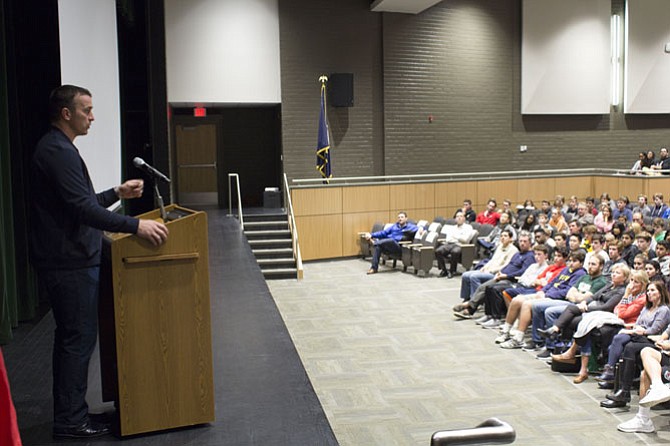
(9, 429)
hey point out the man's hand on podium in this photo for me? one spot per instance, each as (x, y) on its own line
(153, 231)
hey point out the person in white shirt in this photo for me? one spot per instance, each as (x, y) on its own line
(456, 236)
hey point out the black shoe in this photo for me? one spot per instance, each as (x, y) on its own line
(606, 385)
(610, 404)
(443, 273)
(450, 274)
(549, 333)
(620, 395)
(89, 429)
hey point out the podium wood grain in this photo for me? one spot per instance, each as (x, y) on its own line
(162, 327)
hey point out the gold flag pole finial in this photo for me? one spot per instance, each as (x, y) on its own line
(323, 78)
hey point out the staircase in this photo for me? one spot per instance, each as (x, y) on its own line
(270, 241)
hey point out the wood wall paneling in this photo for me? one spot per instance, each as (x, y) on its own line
(318, 201)
(365, 198)
(406, 197)
(352, 224)
(320, 236)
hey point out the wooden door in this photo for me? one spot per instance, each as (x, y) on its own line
(195, 148)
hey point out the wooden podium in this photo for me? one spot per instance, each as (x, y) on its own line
(155, 327)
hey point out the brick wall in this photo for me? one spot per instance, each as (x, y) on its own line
(458, 62)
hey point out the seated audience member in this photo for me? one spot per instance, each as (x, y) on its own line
(587, 235)
(663, 257)
(495, 305)
(575, 227)
(545, 208)
(608, 324)
(604, 220)
(638, 219)
(658, 224)
(629, 249)
(618, 229)
(457, 235)
(648, 161)
(575, 244)
(557, 221)
(556, 289)
(614, 252)
(559, 203)
(470, 214)
(561, 241)
(659, 208)
(632, 339)
(653, 386)
(528, 222)
(543, 223)
(515, 297)
(606, 299)
(637, 166)
(653, 270)
(546, 311)
(470, 280)
(386, 240)
(622, 209)
(508, 274)
(572, 206)
(642, 206)
(588, 212)
(597, 248)
(639, 261)
(643, 242)
(523, 210)
(507, 207)
(489, 216)
(491, 241)
(542, 238)
(663, 163)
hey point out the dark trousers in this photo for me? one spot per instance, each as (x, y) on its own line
(451, 252)
(631, 359)
(384, 246)
(74, 301)
(494, 301)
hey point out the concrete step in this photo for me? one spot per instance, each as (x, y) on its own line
(265, 225)
(281, 262)
(280, 273)
(270, 243)
(272, 253)
(268, 234)
(253, 218)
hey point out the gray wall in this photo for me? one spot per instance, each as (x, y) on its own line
(458, 61)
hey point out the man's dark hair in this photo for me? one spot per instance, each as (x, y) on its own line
(508, 232)
(579, 236)
(665, 244)
(563, 251)
(578, 255)
(63, 97)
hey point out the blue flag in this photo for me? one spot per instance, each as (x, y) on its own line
(323, 144)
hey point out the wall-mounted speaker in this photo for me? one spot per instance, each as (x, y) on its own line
(341, 89)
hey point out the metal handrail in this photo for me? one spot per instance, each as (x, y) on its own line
(491, 431)
(427, 178)
(293, 228)
(239, 198)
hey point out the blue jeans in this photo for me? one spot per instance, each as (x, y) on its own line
(539, 307)
(383, 246)
(470, 280)
(74, 302)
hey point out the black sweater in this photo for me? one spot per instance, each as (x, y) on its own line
(67, 216)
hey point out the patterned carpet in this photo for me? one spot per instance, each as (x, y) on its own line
(391, 366)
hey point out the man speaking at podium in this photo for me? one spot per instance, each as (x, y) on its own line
(67, 220)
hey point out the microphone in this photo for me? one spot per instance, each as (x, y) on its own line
(140, 164)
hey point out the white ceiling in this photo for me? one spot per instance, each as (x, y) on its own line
(407, 6)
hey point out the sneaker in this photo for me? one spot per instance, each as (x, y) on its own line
(637, 424)
(463, 314)
(530, 346)
(502, 337)
(482, 319)
(657, 394)
(544, 355)
(494, 323)
(510, 344)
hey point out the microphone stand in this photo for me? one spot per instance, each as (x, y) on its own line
(159, 199)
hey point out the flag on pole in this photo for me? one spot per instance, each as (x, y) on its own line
(323, 144)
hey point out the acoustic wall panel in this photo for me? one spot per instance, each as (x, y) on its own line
(647, 64)
(565, 57)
